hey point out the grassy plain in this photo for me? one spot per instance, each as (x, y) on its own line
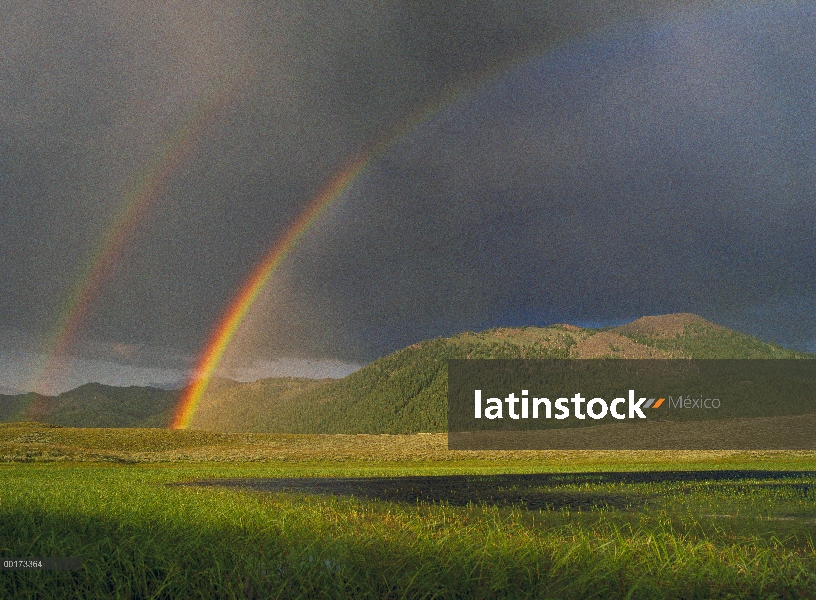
(102, 495)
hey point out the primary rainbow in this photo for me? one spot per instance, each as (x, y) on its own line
(137, 201)
(228, 325)
(223, 333)
(249, 291)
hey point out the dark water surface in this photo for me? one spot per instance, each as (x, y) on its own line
(532, 491)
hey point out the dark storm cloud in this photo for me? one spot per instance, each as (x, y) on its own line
(484, 216)
(91, 91)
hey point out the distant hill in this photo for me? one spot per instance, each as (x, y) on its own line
(404, 392)
(94, 405)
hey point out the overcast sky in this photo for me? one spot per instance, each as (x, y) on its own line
(588, 162)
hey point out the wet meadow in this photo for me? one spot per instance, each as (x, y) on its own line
(160, 514)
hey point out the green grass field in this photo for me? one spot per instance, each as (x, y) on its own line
(101, 495)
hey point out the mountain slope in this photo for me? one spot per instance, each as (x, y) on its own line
(406, 392)
(265, 405)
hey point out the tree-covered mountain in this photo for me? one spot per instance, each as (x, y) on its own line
(404, 392)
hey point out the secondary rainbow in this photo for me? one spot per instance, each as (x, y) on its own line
(136, 205)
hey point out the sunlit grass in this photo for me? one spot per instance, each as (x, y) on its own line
(140, 538)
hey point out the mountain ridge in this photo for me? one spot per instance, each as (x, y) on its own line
(403, 392)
